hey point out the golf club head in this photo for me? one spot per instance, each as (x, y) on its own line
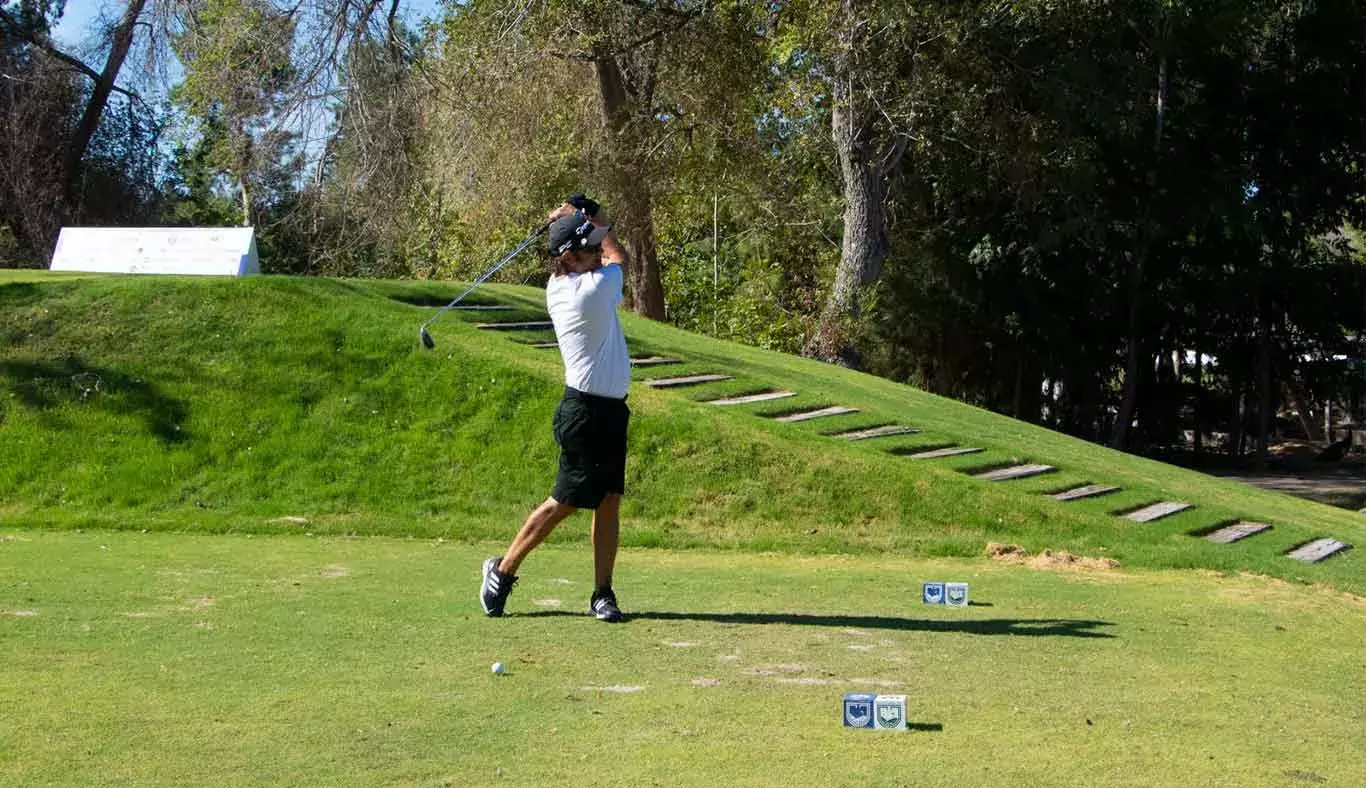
(427, 340)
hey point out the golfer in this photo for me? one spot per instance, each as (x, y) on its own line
(590, 422)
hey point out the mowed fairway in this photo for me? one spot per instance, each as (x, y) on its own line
(181, 659)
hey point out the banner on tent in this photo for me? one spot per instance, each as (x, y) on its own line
(202, 251)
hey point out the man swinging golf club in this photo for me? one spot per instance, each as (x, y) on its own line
(590, 422)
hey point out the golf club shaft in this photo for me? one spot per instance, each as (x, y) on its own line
(487, 274)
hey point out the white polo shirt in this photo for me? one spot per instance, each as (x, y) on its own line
(583, 308)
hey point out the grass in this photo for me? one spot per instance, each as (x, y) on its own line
(224, 405)
(242, 521)
(192, 659)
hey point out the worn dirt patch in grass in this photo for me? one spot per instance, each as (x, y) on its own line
(1264, 589)
(1048, 559)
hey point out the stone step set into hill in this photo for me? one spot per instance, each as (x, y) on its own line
(1014, 472)
(885, 431)
(818, 413)
(686, 380)
(749, 399)
(1310, 552)
(1236, 532)
(1085, 491)
(1317, 550)
(529, 325)
(1157, 511)
(947, 451)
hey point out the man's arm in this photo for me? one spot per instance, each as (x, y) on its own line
(612, 251)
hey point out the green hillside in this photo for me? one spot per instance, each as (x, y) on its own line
(282, 404)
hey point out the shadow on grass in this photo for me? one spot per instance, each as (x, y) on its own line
(43, 385)
(1024, 627)
(442, 299)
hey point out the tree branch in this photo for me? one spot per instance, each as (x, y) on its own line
(579, 54)
(46, 46)
(658, 9)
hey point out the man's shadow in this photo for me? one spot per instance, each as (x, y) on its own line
(1024, 627)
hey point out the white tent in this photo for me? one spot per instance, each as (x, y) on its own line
(203, 251)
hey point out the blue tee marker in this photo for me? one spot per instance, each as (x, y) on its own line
(858, 709)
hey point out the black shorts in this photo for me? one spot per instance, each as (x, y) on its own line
(591, 432)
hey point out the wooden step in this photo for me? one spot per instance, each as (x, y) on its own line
(1317, 550)
(654, 361)
(1015, 472)
(690, 380)
(1086, 491)
(751, 398)
(1157, 511)
(481, 308)
(938, 454)
(820, 413)
(537, 325)
(1232, 533)
(546, 345)
(875, 432)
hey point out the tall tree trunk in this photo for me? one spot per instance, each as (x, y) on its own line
(1263, 388)
(1196, 410)
(246, 202)
(1028, 391)
(866, 159)
(1312, 431)
(636, 210)
(120, 43)
(1235, 443)
(1119, 432)
(1119, 435)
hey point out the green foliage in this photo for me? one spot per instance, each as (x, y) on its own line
(237, 56)
(197, 195)
(1037, 182)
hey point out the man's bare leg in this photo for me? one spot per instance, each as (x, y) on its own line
(537, 527)
(606, 538)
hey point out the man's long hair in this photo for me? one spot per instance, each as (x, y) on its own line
(559, 266)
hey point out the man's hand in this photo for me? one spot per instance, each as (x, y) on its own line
(583, 203)
(599, 218)
(564, 210)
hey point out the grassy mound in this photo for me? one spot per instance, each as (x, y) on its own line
(281, 404)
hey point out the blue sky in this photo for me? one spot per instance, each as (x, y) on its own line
(75, 22)
(74, 28)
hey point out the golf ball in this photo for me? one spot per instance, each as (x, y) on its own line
(498, 668)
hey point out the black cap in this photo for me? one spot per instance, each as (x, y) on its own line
(574, 232)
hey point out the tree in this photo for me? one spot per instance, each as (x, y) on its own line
(238, 70)
(47, 101)
(28, 26)
(654, 75)
(871, 65)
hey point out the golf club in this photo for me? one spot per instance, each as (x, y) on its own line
(427, 340)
